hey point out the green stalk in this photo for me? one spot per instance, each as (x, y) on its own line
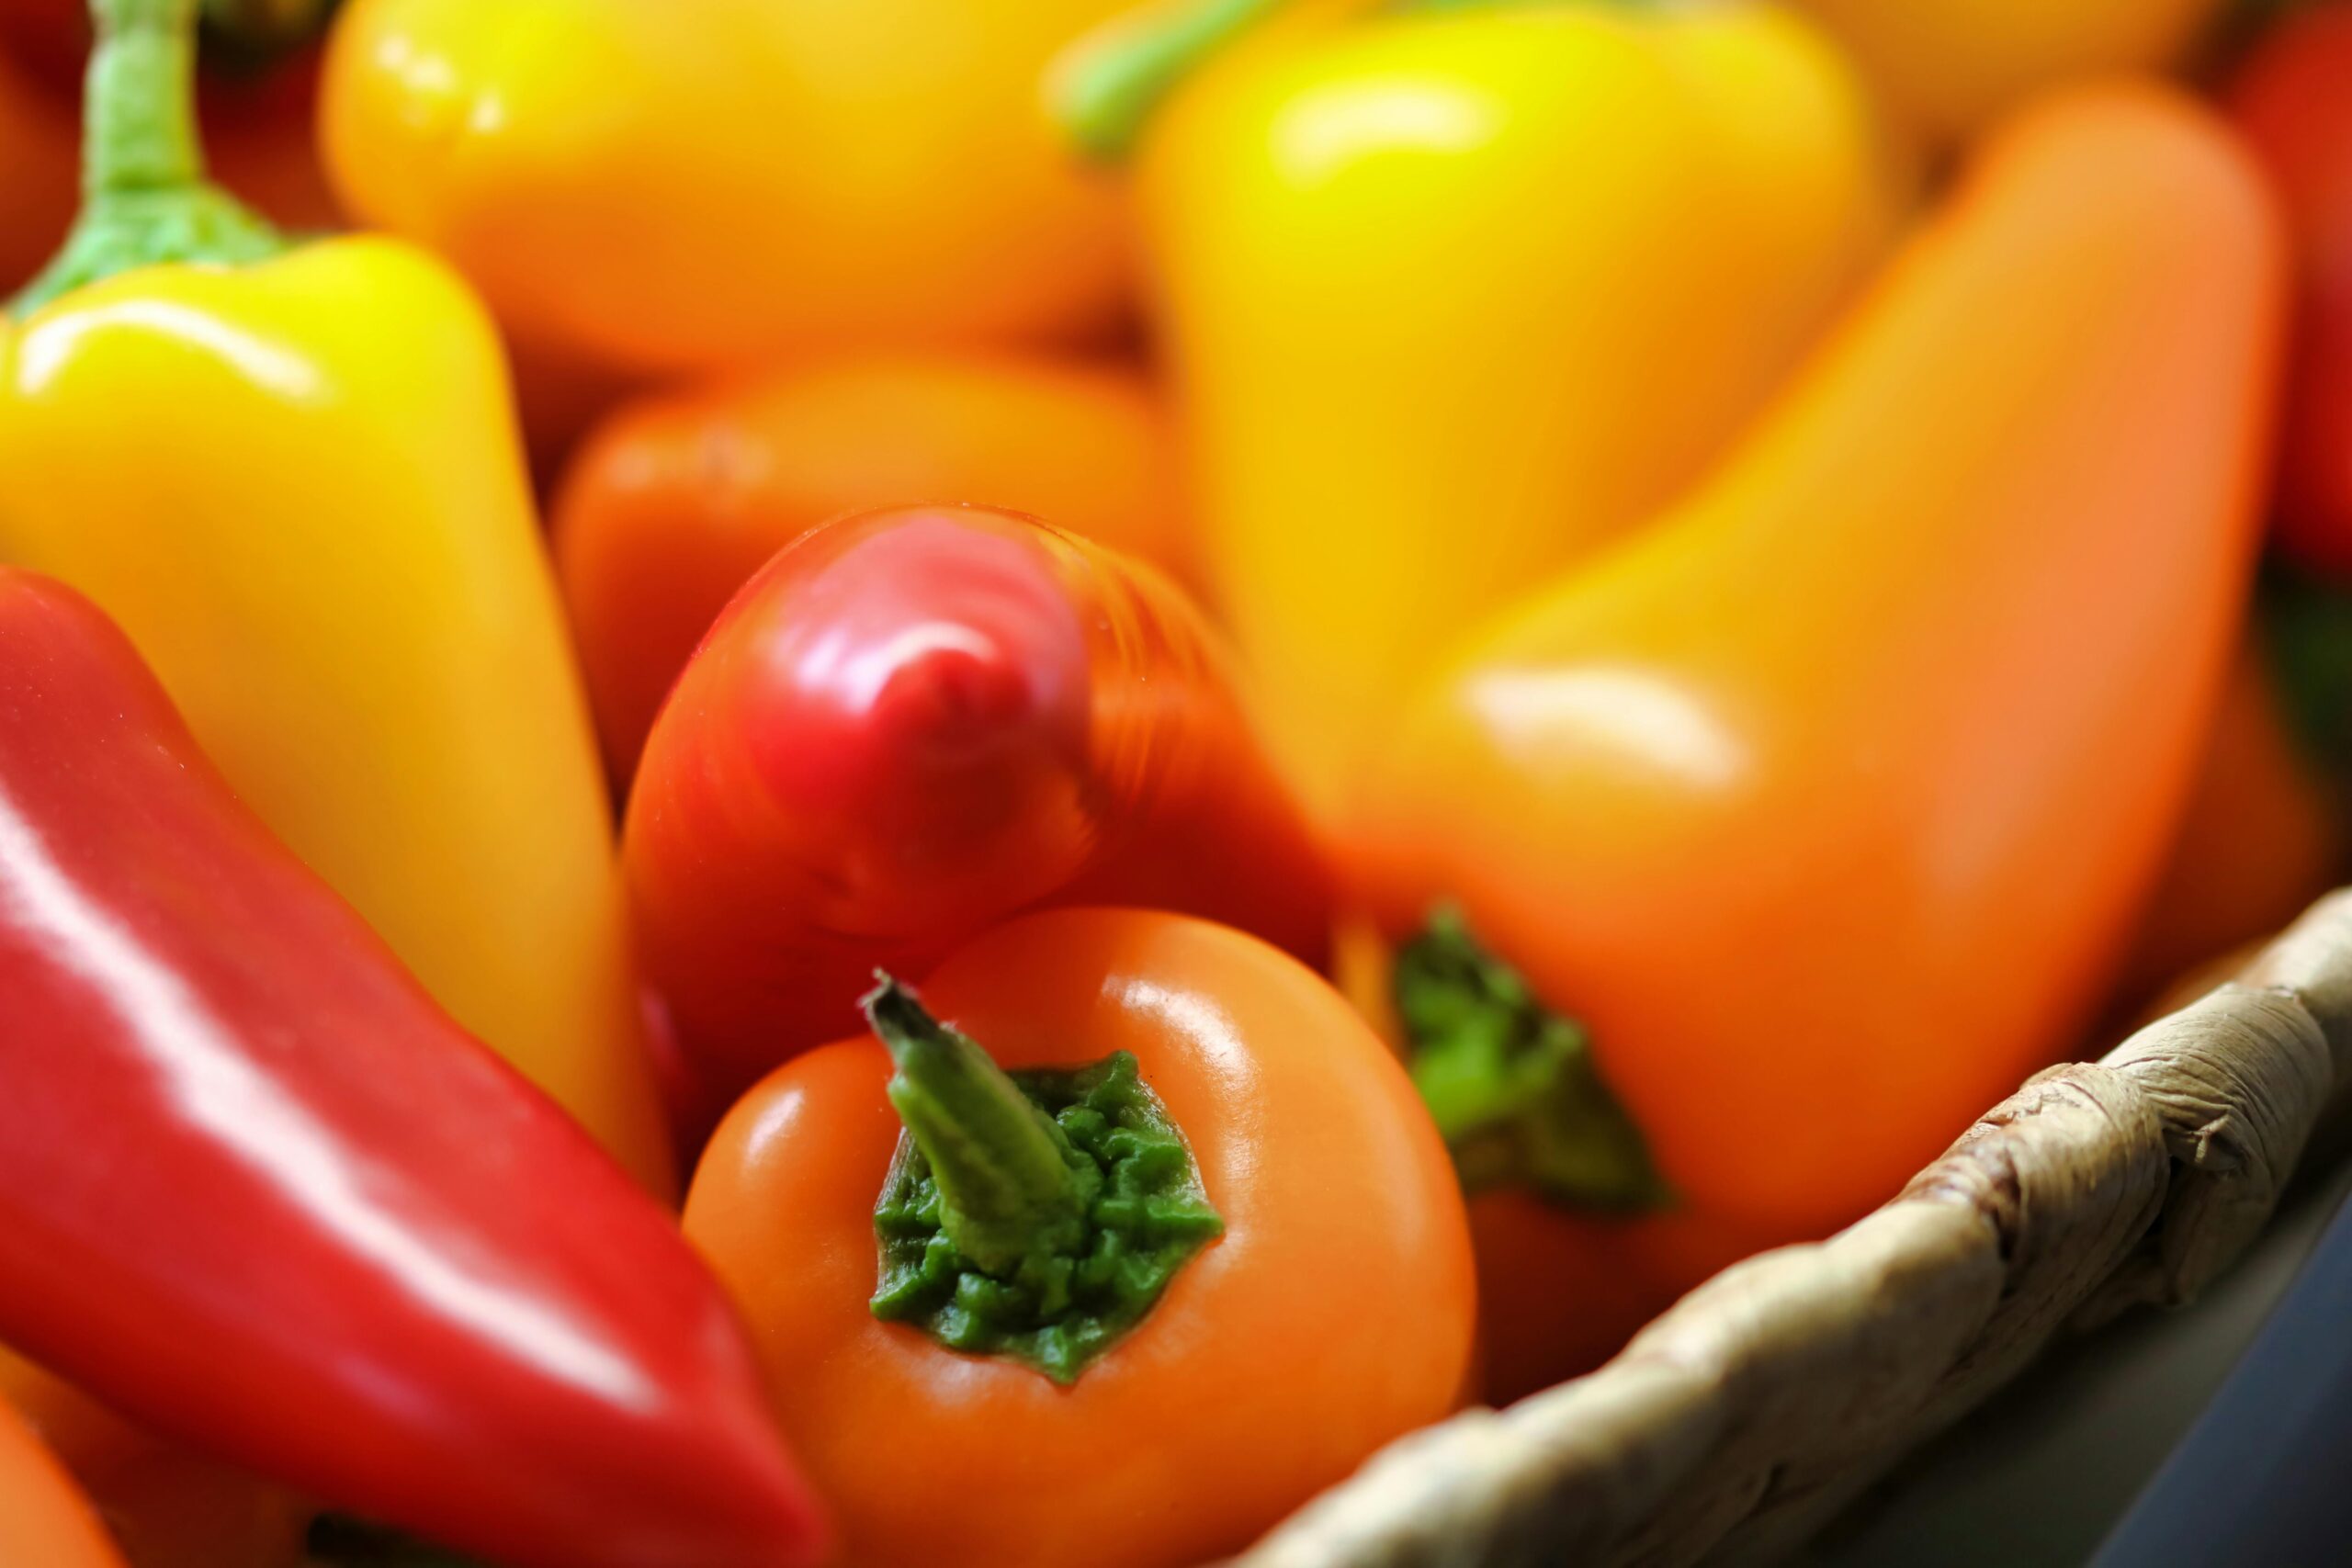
(145, 199)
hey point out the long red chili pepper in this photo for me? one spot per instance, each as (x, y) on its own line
(256, 1189)
(912, 723)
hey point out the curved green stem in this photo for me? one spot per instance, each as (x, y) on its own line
(1006, 1186)
(1105, 88)
(1512, 1086)
(145, 199)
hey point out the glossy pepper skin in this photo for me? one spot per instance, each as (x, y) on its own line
(2292, 99)
(1786, 887)
(912, 723)
(672, 187)
(43, 1519)
(1441, 323)
(680, 497)
(291, 474)
(165, 1505)
(255, 1187)
(1951, 69)
(1334, 1314)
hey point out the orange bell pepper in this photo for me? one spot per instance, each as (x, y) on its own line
(1332, 1313)
(681, 497)
(1828, 802)
(44, 1521)
(676, 185)
(167, 1506)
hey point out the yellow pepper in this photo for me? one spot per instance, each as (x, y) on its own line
(1455, 294)
(293, 477)
(1948, 68)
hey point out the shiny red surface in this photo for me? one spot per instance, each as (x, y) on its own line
(257, 1190)
(911, 725)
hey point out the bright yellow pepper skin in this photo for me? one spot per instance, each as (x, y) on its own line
(297, 484)
(1947, 69)
(666, 185)
(1456, 297)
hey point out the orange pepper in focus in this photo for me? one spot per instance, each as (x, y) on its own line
(1333, 1314)
(681, 497)
(1815, 805)
(166, 1506)
(671, 187)
(44, 1521)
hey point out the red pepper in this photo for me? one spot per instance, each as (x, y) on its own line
(257, 1190)
(2292, 101)
(911, 724)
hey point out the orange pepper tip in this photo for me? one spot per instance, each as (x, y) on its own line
(1104, 88)
(1512, 1086)
(146, 201)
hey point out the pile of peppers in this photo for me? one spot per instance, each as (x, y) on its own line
(943, 783)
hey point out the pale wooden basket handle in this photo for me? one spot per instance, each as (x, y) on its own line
(1736, 1424)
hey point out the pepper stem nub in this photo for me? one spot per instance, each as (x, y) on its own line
(145, 199)
(1103, 90)
(1007, 1189)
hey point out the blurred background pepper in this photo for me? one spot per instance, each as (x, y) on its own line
(2292, 99)
(291, 474)
(670, 187)
(1950, 69)
(680, 498)
(1453, 295)
(258, 1189)
(1820, 803)
(166, 1505)
(43, 1518)
(912, 723)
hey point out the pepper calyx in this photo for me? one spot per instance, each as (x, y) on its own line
(1036, 1216)
(1514, 1087)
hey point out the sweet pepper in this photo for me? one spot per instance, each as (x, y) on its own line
(166, 1505)
(2292, 99)
(676, 186)
(1828, 802)
(257, 1190)
(291, 474)
(1453, 293)
(681, 496)
(43, 1518)
(912, 723)
(1139, 1247)
(1951, 69)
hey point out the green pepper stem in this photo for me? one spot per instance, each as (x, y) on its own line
(1104, 90)
(145, 200)
(139, 128)
(1006, 1186)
